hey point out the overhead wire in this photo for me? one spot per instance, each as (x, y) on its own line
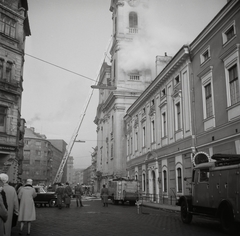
(75, 73)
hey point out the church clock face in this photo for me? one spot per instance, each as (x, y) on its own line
(133, 3)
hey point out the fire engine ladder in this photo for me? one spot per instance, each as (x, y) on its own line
(67, 153)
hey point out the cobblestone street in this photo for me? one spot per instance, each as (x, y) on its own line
(118, 220)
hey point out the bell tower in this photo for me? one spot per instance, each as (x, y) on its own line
(129, 68)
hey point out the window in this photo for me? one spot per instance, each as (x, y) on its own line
(231, 64)
(204, 175)
(152, 131)
(163, 92)
(178, 116)
(164, 125)
(208, 100)
(152, 102)
(143, 182)
(26, 141)
(179, 180)
(133, 22)
(37, 162)
(144, 111)
(229, 33)
(8, 71)
(38, 153)
(164, 181)
(112, 124)
(131, 144)
(111, 150)
(234, 84)
(38, 143)
(26, 153)
(144, 136)
(3, 117)
(205, 55)
(115, 25)
(26, 162)
(1, 69)
(7, 26)
(136, 141)
(176, 80)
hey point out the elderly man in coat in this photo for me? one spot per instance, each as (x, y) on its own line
(12, 202)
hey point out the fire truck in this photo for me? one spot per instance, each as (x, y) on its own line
(215, 191)
(123, 190)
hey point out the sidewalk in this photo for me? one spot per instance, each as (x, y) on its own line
(144, 204)
(160, 206)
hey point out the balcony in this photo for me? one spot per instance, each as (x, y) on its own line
(13, 87)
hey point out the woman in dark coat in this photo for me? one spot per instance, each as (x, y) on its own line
(67, 195)
(104, 195)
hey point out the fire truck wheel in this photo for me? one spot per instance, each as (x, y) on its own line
(185, 215)
(227, 219)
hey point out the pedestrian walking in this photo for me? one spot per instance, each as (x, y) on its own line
(67, 194)
(27, 211)
(104, 195)
(3, 209)
(12, 202)
(60, 195)
(78, 195)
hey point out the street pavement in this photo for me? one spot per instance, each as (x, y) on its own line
(117, 220)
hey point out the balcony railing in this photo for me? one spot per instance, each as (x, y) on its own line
(133, 30)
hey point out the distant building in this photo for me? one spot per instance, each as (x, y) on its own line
(69, 170)
(14, 27)
(41, 158)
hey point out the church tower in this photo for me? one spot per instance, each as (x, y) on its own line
(120, 84)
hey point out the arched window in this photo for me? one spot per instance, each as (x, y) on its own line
(133, 22)
(143, 182)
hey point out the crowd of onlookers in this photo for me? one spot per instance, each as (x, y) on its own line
(16, 204)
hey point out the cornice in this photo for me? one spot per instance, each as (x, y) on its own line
(181, 56)
(229, 6)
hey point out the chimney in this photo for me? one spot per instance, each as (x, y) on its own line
(33, 129)
(161, 62)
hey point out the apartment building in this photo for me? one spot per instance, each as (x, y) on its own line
(14, 27)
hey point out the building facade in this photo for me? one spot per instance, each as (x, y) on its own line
(70, 171)
(42, 158)
(14, 27)
(189, 112)
(158, 130)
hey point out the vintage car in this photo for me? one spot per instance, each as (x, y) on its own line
(44, 198)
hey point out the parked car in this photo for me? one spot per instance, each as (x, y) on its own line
(44, 198)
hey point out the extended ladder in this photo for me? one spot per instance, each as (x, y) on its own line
(67, 153)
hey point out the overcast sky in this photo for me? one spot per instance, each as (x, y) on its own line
(75, 35)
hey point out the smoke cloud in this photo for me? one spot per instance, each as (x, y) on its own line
(153, 39)
(35, 118)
